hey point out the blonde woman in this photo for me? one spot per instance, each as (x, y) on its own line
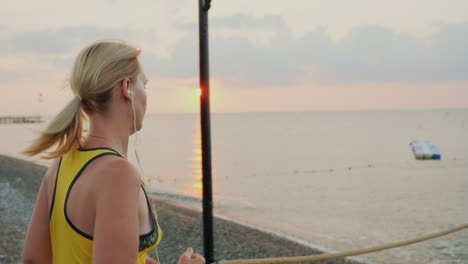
(92, 205)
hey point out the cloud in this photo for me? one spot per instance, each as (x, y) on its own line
(63, 40)
(235, 60)
(60, 46)
(7, 75)
(240, 21)
(370, 53)
(236, 21)
(377, 54)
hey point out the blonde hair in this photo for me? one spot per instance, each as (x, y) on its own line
(96, 71)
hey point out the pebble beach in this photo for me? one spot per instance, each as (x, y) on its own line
(19, 183)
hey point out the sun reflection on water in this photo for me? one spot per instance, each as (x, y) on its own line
(194, 185)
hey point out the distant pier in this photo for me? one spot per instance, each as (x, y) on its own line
(20, 119)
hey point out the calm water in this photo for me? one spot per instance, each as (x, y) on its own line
(339, 180)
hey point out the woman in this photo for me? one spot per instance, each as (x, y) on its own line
(92, 206)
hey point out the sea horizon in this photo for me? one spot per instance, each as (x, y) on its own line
(270, 111)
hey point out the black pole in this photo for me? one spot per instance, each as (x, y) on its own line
(204, 6)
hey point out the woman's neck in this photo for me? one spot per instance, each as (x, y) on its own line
(107, 134)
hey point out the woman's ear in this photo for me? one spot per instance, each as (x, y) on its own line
(124, 87)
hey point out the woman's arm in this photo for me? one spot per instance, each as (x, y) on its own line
(116, 221)
(150, 261)
(37, 247)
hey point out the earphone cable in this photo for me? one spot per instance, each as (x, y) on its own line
(141, 168)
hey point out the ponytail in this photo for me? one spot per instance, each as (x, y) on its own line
(65, 130)
(97, 69)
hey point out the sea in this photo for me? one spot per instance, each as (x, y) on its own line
(332, 180)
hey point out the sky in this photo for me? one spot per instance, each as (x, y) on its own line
(265, 55)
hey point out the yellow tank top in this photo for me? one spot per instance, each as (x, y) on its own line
(69, 244)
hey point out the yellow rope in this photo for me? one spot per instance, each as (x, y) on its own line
(342, 254)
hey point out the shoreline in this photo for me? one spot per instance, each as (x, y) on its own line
(290, 238)
(182, 225)
(188, 203)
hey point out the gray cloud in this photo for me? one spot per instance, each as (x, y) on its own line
(63, 40)
(183, 62)
(8, 75)
(234, 60)
(370, 53)
(377, 54)
(60, 45)
(273, 22)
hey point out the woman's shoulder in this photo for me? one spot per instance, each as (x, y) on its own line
(116, 170)
(51, 174)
